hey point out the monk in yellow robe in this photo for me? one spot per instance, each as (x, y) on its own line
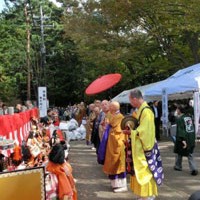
(143, 138)
(114, 164)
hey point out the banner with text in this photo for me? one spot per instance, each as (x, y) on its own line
(42, 101)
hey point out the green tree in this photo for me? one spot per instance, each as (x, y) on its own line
(58, 67)
(144, 40)
(12, 56)
(150, 39)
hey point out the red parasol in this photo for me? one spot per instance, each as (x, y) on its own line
(103, 83)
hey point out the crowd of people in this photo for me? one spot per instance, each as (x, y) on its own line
(19, 107)
(46, 147)
(106, 135)
(105, 132)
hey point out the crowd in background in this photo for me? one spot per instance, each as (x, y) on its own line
(4, 109)
(96, 118)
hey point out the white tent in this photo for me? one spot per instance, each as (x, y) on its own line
(185, 83)
(123, 97)
(180, 85)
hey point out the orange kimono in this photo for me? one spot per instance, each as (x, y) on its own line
(66, 184)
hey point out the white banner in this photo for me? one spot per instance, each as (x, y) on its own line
(165, 110)
(196, 113)
(42, 101)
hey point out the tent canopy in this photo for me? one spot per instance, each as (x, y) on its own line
(123, 97)
(181, 84)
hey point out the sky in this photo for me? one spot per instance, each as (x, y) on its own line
(2, 5)
(54, 1)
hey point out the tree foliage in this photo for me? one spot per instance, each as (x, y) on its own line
(56, 66)
(12, 55)
(144, 40)
(150, 39)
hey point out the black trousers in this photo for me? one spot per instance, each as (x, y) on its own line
(157, 127)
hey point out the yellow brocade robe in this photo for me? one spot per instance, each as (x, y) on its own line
(143, 139)
(115, 153)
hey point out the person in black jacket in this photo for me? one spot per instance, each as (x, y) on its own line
(185, 140)
(157, 118)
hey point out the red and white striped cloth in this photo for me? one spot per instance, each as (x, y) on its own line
(17, 126)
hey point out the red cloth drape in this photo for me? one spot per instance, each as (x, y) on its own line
(12, 124)
(5, 126)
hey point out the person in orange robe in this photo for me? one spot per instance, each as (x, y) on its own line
(63, 171)
(114, 164)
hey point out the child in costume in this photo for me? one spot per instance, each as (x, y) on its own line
(63, 170)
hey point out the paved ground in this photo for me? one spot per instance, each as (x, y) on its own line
(92, 183)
